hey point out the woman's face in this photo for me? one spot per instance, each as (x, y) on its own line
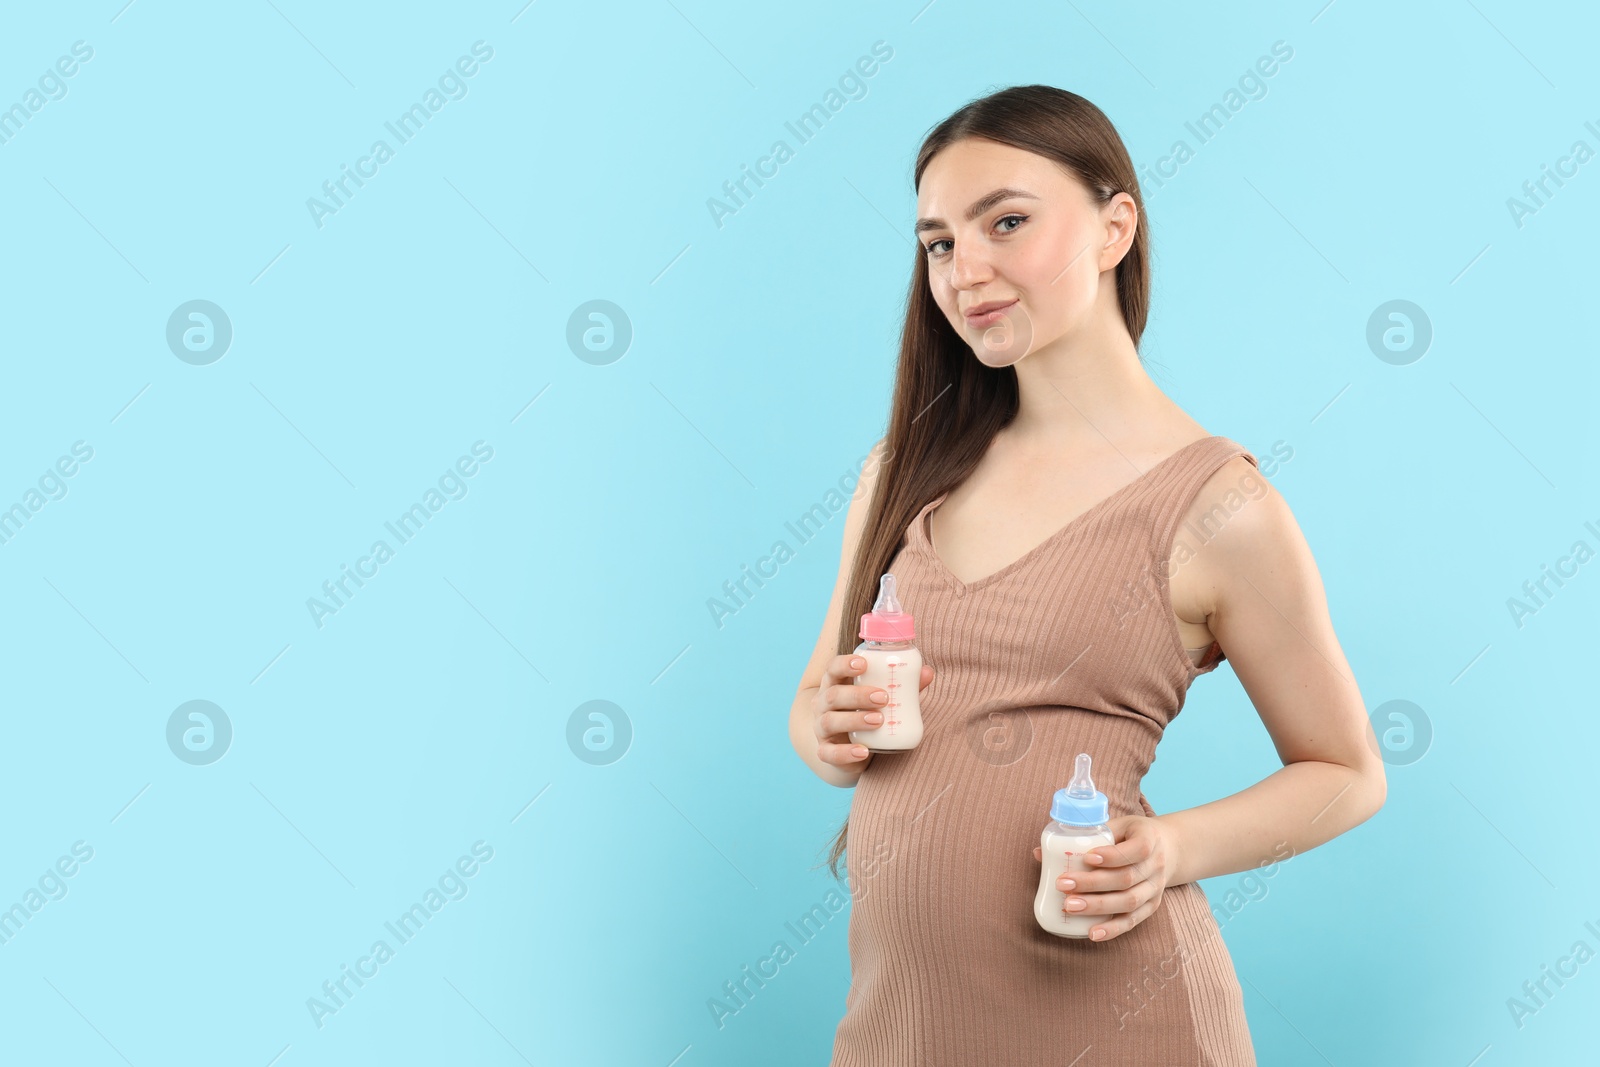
(1035, 252)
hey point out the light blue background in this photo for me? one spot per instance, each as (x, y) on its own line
(432, 310)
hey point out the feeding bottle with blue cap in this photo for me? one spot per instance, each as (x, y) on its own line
(1078, 817)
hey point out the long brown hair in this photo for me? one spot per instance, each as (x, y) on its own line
(948, 406)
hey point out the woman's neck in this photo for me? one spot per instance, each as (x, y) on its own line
(1075, 394)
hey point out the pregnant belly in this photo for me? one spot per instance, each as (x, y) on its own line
(938, 868)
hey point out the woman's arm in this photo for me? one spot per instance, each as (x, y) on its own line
(1266, 606)
(802, 711)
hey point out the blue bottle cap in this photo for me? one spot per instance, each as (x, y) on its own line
(1080, 804)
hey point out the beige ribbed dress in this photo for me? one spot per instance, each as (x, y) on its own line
(1071, 648)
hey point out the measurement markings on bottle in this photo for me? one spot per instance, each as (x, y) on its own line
(892, 705)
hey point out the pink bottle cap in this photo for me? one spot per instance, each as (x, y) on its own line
(886, 622)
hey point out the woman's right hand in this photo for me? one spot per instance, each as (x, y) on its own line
(841, 706)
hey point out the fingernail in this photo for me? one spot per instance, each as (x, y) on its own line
(873, 716)
(880, 696)
(1067, 883)
(859, 750)
(1075, 904)
(857, 663)
(1098, 935)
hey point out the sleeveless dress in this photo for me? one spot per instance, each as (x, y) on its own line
(1070, 648)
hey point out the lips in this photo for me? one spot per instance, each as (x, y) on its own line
(986, 312)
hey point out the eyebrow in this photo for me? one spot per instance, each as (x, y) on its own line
(979, 206)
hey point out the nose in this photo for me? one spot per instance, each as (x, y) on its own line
(967, 267)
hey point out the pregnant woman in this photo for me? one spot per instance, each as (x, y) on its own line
(1075, 550)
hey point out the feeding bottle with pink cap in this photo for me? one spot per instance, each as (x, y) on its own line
(1077, 824)
(895, 666)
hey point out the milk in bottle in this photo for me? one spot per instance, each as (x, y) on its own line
(895, 666)
(1078, 824)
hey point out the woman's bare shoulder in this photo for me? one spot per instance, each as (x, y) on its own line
(1241, 525)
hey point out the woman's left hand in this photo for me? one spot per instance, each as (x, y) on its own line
(1125, 881)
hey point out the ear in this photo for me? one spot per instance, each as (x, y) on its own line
(1121, 222)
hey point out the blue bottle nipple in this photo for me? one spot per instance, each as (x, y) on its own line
(1080, 804)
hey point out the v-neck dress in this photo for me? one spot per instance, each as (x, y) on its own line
(1071, 648)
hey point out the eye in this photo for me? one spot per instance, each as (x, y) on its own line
(930, 247)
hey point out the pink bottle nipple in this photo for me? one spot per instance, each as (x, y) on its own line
(886, 621)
